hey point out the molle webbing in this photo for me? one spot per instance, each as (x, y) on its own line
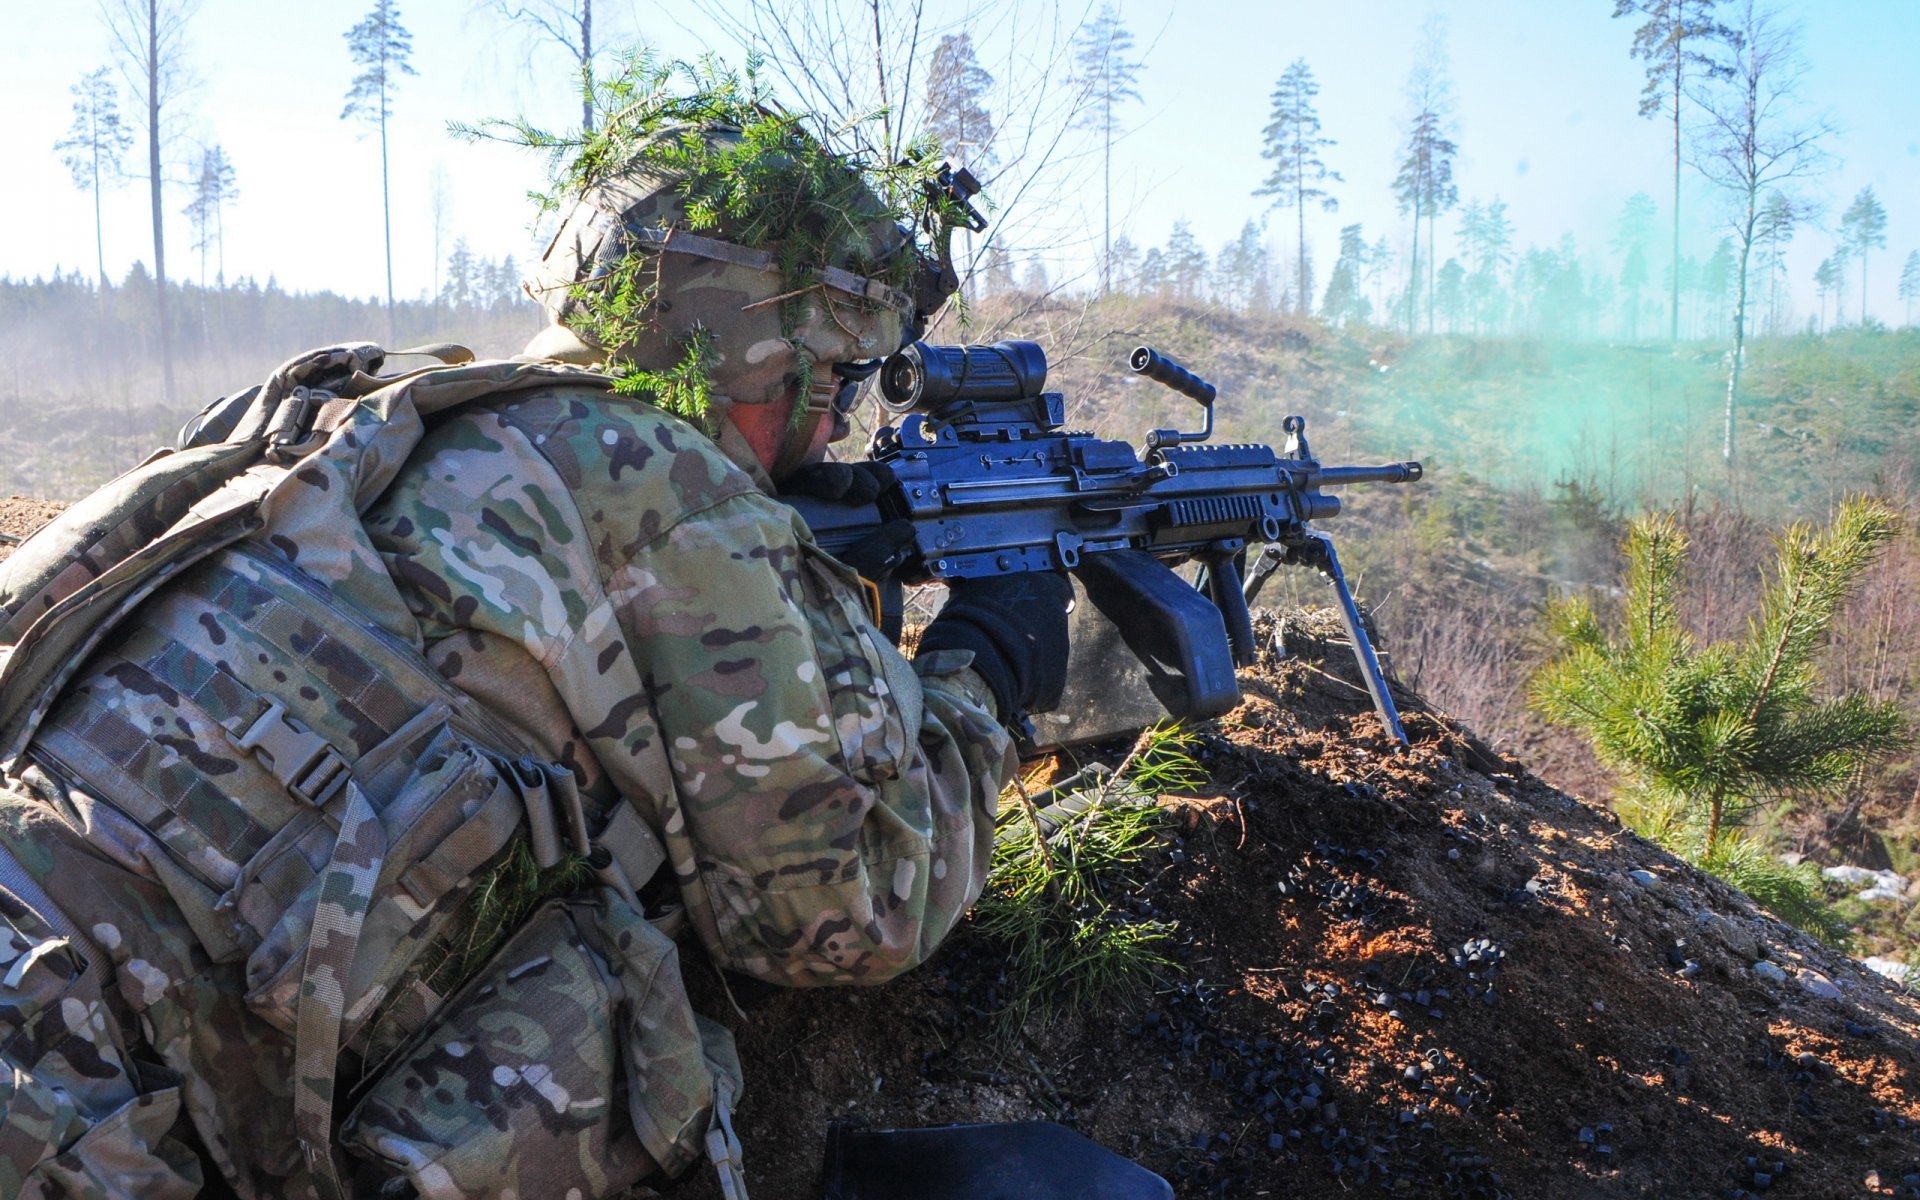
(159, 720)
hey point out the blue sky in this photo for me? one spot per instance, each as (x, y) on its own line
(1546, 119)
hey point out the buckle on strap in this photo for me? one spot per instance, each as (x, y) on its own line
(305, 763)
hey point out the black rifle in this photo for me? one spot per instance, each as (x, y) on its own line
(994, 486)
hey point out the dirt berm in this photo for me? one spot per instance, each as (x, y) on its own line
(1418, 974)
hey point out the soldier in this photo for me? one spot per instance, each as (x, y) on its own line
(284, 911)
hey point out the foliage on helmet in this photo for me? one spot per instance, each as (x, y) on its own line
(743, 171)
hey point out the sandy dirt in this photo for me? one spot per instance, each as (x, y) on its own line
(19, 517)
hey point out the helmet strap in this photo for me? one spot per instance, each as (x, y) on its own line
(816, 405)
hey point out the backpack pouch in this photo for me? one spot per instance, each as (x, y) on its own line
(571, 1064)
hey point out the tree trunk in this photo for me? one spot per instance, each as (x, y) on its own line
(1863, 287)
(1431, 218)
(386, 198)
(1413, 279)
(1673, 332)
(1739, 333)
(99, 242)
(159, 222)
(1106, 200)
(1300, 247)
(586, 65)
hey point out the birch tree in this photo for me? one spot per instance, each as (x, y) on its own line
(1754, 138)
(568, 24)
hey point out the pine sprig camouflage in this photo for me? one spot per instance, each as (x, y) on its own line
(1703, 734)
(781, 186)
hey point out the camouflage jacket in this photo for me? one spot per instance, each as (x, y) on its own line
(606, 577)
(627, 597)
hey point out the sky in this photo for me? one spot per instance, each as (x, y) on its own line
(1546, 119)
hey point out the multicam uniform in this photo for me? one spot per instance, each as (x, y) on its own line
(639, 610)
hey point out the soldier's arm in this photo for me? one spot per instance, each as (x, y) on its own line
(828, 811)
(832, 811)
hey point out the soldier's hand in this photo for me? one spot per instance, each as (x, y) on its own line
(846, 482)
(1016, 626)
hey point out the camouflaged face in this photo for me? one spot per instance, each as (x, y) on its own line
(757, 352)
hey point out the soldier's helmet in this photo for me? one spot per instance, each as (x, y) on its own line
(627, 265)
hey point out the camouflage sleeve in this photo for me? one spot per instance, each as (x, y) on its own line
(828, 810)
(832, 815)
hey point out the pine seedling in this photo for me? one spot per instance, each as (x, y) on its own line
(1057, 902)
(1703, 735)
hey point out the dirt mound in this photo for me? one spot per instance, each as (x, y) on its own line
(1427, 974)
(19, 517)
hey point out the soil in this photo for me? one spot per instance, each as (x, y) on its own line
(1425, 973)
(1415, 974)
(19, 517)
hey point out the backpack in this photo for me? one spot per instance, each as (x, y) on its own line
(426, 776)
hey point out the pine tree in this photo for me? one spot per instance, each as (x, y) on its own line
(1424, 185)
(1910, 282)
(1241, 267)
(1773, 233)
(1380, 261)
(1486, 240)
(1863, 227)
(458, 291)
(1715, 278)
(1293, 142)
(214, 188)
(95, 143)
(1452, 295)
(1186, 262)
(1704, 735)
(380, 47)
(1105, 76)
(1344, 303)
(1630, 242)
(151, 37)
(957, 89)
(1124, 264)
(1672, 43)
(1826, 282)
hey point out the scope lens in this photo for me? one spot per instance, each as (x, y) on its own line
(901, 381)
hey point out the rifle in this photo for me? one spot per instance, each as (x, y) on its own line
(994, 485)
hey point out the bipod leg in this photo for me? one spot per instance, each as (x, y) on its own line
(1270, 559)
(1319, 552)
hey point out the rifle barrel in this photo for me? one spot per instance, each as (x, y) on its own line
(1400, 472)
